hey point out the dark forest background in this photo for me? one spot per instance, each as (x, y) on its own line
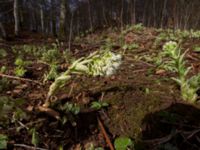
(72, 17)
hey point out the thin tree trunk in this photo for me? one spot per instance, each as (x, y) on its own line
(103, 11)
(121, 15)
(3, 31)
(90, 16)
(132, 3)
(70, 32)
(53, 17)
(42, 18)
(154, 13)
(63, 11)
(16, 17)
(164, 13)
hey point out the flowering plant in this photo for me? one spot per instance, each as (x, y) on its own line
(99, 63)
(188, 86)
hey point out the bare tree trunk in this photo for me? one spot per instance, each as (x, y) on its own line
(90, 16)
(132, 11)
(3, 31)
(16, 17)
(144, 16)
(103, 12)
(121, 15)
(164, 13)
(154, 13)
(63, 11)
(53, 17)
(70, 32)
(42, 18)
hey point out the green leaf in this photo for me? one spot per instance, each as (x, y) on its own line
(35, 138)
(3, 53)
(125, 47)
(3, 69)
(197, 49)
(19, 62)
(122, 143)
(96, 105)
(104, 104)
(3, 141)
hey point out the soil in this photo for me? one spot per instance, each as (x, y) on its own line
(144, 103)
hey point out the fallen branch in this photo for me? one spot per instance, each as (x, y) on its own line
(18, 78)
(105, 134)
(28, 147)
(50, 112)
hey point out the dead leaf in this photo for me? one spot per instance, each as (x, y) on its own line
(160, 72)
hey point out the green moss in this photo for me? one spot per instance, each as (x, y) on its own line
(129, 110)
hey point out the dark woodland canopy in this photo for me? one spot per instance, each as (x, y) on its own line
(53, 17)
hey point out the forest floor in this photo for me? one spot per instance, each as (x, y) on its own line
(145, 104)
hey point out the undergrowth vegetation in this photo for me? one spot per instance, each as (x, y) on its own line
(118, 73)
(188, 85)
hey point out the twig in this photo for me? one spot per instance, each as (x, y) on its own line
(42, 62)
(49, 111)
(28, 147)
(162, 140)
(192, 57)
(28, 124)
(71, 90)
(18, 78)
(102, 96)
(105, 134)
(192, 134)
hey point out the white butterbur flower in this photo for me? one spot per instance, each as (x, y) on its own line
(110, 71)
(96, 64)
(117, 57)
(116, 65)
(104, 64)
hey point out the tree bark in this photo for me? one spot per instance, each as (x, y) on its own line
(63, 11)
(53, 17)
(42, 18)
(3, 31)
(16, 17)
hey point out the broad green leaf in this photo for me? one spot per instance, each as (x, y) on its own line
(122, 143)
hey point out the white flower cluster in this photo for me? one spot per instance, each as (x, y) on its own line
(104, 64)
(170, 45)
(171, 49)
